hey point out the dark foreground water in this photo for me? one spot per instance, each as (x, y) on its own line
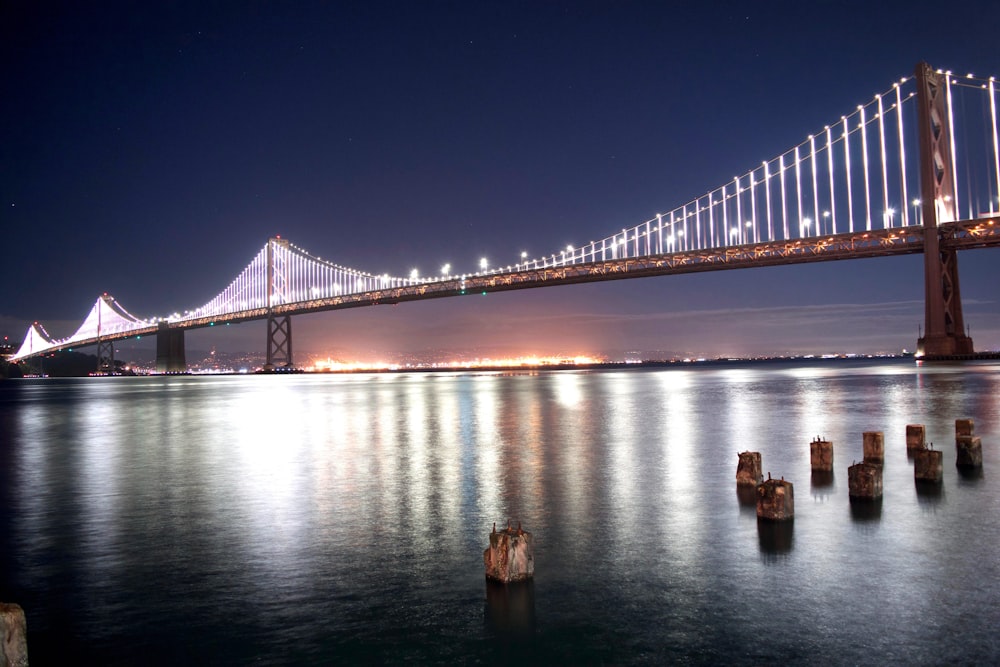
(342, 519)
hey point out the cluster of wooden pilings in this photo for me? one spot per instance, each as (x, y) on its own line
(774, 497)
(927, 461)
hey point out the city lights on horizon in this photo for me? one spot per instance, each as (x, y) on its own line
(330, 365)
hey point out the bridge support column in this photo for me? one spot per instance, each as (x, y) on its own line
(279, 342)
(279, 327)
(944, 327)
(105, 356)
(170, 350)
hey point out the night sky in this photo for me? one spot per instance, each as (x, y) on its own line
(149, 150)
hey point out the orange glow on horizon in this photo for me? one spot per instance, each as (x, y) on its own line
(329, 365)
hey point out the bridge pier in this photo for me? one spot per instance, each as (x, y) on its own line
(944, 327)
(105, 356)
(279, 342)
(170, 350)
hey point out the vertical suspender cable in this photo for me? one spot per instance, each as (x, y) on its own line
(864, 163)
(847, 166)
(954, 155)
(829, 166)
(905, 206)
(885, 176)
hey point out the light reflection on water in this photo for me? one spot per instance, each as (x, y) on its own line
(304, 519)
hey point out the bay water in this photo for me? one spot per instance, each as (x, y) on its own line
(341, 519)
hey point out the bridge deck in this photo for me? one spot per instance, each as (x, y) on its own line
(961, 235)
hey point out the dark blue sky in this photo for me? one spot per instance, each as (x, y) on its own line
(150, 149)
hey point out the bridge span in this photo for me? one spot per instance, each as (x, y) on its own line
(812, 203)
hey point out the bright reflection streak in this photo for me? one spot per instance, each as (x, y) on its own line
(263, 464)
(619, 441)
(572, 464)
(416, 450)
(568, 389)
(679, 446)
(447, 454)
(385, 442)
(491, 477)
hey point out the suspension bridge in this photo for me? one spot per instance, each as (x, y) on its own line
(880, 180)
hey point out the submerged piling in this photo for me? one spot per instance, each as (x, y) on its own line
(13, 636)
(968, 452)
(927, 465)
(748, 470)
(821, 455)
(915, 436)
(968, 448)
(864, 481)
(873, 444)
(775, 500)
(509, 556)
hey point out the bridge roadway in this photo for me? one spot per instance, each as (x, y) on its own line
(961, 235)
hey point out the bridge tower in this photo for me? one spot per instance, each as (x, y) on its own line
(105, 348)
(279, 327)
(944, 327)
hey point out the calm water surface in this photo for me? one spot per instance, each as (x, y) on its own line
(342, 519)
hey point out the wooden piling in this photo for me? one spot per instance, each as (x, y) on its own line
(509, 556)
(874, 446)
(927, 465)
(968, 452)
(748, 471)
(775, 500)
(13, 636)
(864, 480)
(963, 427)
(915, 434)
(821, 455)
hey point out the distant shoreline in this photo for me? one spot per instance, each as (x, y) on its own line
(597, 366)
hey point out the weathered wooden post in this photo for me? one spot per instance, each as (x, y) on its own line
(915, 436)
(927, 465)
(968, 448)
(775, 500)
(821, 455)
(874, 446)
(968, 451)
(13, 636)
(509, 556)
(748, 470)
(864, 481)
